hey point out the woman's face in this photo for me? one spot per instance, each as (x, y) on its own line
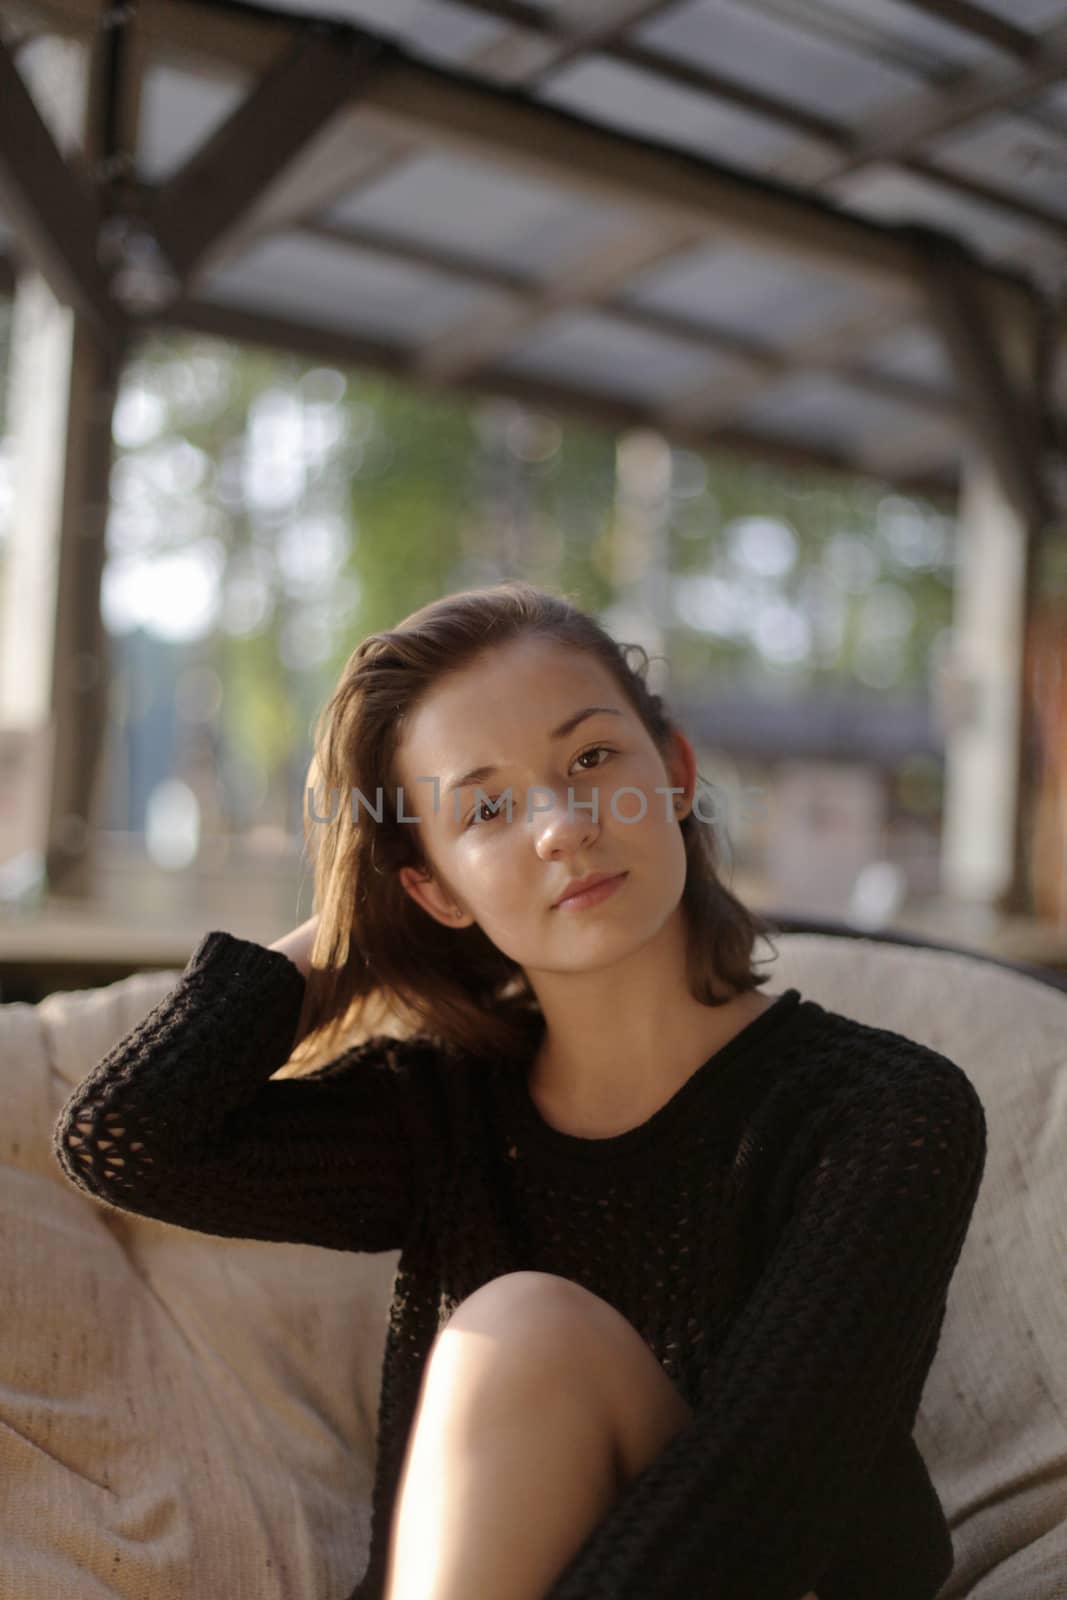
(514, 710)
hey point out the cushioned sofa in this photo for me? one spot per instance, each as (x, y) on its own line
(184, 1417)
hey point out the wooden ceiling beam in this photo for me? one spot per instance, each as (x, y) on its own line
(226, 322)
(340, 162)
(723, 396)
(129, 93)
(329, 344)
(475, 120)
(338, 165)
(904, 449)
(51, 205)
(755, 361)
(929, 113)
(233, 170)
(524, 55)
(450, 109)
(497, 323)
(410, 100)
(727, 394)
(844, 150)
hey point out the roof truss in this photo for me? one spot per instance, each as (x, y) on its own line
(320, 75)
(52, 204)
(293, 146)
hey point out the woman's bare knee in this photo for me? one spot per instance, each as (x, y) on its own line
(517, 1295)
(520, 1336)
(525, 1332)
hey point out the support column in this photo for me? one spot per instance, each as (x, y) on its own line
(54, 670)
(984, 794)
(636, 546)
(1005, 516)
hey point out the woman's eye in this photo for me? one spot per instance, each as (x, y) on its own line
(494, 800)
(595, 751)
(499, 809)
(476, 816)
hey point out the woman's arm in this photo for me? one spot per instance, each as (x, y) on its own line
(182, 1120)
(769, 1483)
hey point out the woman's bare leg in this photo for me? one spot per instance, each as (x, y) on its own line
(538, 1403)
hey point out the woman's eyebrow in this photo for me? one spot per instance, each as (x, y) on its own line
(567, 726)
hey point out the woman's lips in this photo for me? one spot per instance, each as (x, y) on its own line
(593, 896)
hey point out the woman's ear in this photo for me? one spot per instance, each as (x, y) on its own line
(424, 889)
(683, 770)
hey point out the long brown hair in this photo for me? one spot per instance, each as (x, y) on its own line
(380, 963)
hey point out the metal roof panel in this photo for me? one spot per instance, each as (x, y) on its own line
(750, 292)
(817, 408)
(638, 102)
(892, 195)
(769, 53)
(914, 353)
(1016, 151)
(504, 218)
(424, 161)
(896, 26)
(336, 286)
(600, 353)
(179, 110)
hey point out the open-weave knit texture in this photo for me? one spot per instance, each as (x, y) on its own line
(782, 1232)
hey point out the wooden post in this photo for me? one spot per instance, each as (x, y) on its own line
(54, 673)
(1004, 517)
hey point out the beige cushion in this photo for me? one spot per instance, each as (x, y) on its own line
(181, 1415)
(186, 1416)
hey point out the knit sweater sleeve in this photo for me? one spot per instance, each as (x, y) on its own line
(182, 1120)
(750, 1500)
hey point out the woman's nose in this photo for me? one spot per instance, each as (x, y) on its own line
(565, 818)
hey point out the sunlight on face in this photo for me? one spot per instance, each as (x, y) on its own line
(505, 872)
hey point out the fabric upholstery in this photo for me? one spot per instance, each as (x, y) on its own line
(181, 1416)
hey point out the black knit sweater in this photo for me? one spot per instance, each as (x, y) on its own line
(782, 1232)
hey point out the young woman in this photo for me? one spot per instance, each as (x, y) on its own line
(674, 1253)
